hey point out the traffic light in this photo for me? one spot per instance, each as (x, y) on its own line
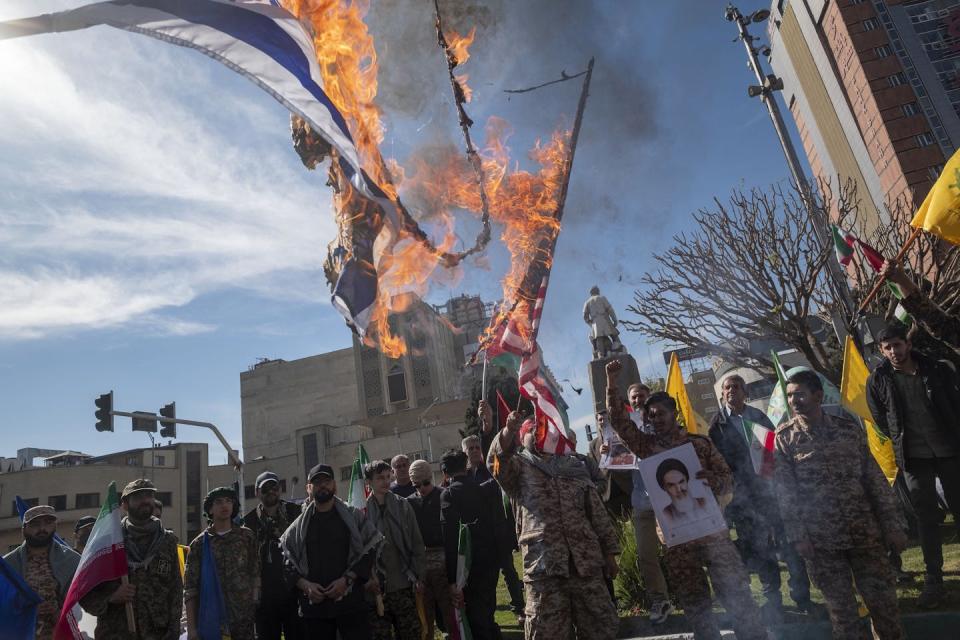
(144, 421)
(104, 412)
(168, 429)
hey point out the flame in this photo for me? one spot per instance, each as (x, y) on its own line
(523, 202)
(459, 45)
(462, 81)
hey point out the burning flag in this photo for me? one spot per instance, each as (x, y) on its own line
(358, 486)
(103, 559)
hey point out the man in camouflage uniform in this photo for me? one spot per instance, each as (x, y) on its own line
(838, 511)
(45, 564)
(686, 562)
(401, 564)
(155, 588)
(925, 312)
(234, 550)
(567, 539)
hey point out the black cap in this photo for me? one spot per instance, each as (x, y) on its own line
(266, 476)
(220, 492)
(320, 469)
(85, 521)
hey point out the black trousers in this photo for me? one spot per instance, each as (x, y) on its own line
(757, 537)
(480, 599)
(353, 626)
(279, 616)
(512, 580)
(920, 476)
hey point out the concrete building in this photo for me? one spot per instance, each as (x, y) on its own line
(872, 86)
(78, 488)
(321, 408)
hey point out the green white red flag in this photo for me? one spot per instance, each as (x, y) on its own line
(358, 484)
(461, 627)
(777, 409)
(844, 243)
(760, 443)
(103, 559)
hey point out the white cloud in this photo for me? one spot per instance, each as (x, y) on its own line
(135, 177)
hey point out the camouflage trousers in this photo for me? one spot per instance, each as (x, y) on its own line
(557, 606)
(688, 580)
(400, 620)
(834, 573)
(436, 591)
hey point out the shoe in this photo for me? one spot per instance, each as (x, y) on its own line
(660, 611)
(932, 595)
(521, 620)
(810, 608)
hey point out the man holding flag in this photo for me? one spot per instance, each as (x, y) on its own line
(568, 542)
(938, 323)
(744, 437)
(45, 565)
(154, 589)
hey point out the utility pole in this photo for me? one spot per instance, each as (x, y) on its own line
(769, 83)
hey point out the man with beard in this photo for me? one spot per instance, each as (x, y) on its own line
(277, 613)
(45, 565)
(236, 563)
(328, 553)
(155, 588)
(81, 532)
(754, 511)
(839, 511)
(401, 564)
(685, 562)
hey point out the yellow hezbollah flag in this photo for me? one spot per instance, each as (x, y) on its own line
(853, 394)
(678, 391)
(940, 212)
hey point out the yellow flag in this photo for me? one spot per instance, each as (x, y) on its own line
(940, 212)
(678, 391)
(853, 394)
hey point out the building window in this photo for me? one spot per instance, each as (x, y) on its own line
(910, 109)
(707, 396)
(59, 503)
(870, 24)
(704, 381)
(165, 498)
(133, 461)
(346, 473)
(934, 172)
(896, 79)
(925, 139)
(249, 492)
(87, 501)
(30, 502)
(883, 51)
(397, 384)
(161, 461)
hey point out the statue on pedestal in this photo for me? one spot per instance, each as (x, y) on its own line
(604, 335)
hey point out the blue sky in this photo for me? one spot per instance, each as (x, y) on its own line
(159, 234)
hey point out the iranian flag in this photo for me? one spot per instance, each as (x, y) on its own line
(358, 486)
(843, 242)
(760, 443)
(103, 559)
(460, 627)
(778, 410)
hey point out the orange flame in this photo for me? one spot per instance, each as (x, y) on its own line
(462, 81)
(459, 45)
(524, 203)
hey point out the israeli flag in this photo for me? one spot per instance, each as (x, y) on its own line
(267, 44)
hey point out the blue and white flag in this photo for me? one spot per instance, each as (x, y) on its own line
(267, 44)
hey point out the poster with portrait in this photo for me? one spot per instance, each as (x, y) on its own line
(618, 455)
(684, 506)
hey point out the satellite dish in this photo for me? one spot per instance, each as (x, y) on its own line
(760, 15)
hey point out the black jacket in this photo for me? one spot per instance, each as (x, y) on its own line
(750, 491)
(472, 504)
(273, 584)
(943, 394)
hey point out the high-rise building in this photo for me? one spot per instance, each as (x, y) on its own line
(873, 88)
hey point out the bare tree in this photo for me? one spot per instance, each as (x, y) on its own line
(753, 270)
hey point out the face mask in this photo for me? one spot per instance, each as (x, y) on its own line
(322, 497)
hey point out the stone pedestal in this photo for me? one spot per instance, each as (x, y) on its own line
(629, 375)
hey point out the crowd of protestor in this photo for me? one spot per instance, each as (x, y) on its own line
(395, 568)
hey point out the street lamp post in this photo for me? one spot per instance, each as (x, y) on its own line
(765, 91)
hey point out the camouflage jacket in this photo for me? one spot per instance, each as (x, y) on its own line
(158, 604)
(719, 476)
(238, 570)
(937, 322)
(832, 494)
(561, 520)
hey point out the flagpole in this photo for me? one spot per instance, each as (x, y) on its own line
(483, 380)
(131, 623)
(896, 262)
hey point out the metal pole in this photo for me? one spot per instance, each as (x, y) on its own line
(768, 84)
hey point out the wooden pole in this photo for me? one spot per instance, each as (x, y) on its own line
(896, 261)
(131, 622)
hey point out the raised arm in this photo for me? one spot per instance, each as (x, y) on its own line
(640, 443)
(504, 465)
